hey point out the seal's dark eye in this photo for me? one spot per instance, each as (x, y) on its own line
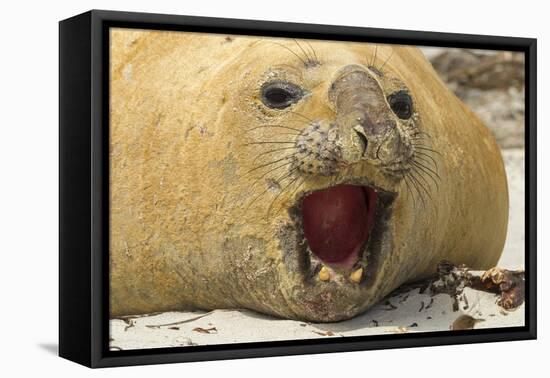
(280, 94)
(401, 104)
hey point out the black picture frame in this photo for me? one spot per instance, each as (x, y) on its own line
(84, 187)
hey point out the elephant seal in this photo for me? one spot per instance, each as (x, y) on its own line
(302, 179)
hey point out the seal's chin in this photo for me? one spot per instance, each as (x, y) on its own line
(337, 223)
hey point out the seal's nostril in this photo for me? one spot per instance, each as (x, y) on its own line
(362, 137)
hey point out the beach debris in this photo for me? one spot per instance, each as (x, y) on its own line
(327, 333)
(451, 280)
(205, 330)
(158, 326)
(465, 321)
(508, 284)
(130, 323)
(464, 299)
(184, 341)
(429, 304)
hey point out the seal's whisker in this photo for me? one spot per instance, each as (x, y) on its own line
(298, 187)
(279, 179)
(273, 133)
(415, 178)
(255, 199)
(415, 183)
(421, 176)
(291, 193)
(293, 68)
(420, 144)
(422, 172)
(308, 59)
(427, 168)
(301, 115)
(432, 162)
(287, 48)
(293, 119)
(386, 61)
(273, 126)
(275, 150)
(313, 51)
(270, 163)
(301, 121)
(425, 148)
(425, 155)
(267, 142)
(420, 190)
(283, 176)
(374, 56)
(280, 192)
(268, 172)
(276, 134)
(414, 189)
(409, 190)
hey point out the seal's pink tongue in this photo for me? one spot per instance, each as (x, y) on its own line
(337, 222)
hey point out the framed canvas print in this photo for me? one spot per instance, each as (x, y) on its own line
(233, 188)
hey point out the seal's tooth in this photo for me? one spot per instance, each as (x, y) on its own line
(324, 274)
(357, 275)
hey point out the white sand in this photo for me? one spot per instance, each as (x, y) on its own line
(408, 312)
(513, 256)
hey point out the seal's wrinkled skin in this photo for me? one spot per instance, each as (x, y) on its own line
(303, 179)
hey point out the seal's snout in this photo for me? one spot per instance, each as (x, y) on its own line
(366, 125)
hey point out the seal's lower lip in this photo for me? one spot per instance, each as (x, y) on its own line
(337, 223)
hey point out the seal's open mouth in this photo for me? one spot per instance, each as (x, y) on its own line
(341, 230)
(337, 223)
